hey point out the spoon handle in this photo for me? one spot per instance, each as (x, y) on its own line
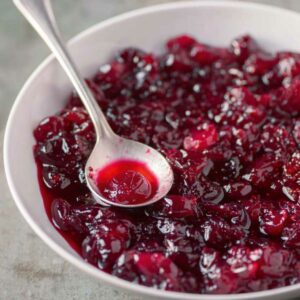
(40, 15)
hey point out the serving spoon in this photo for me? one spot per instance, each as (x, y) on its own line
(109, 146)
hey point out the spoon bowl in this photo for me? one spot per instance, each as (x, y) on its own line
(116, 148)
(109, 146)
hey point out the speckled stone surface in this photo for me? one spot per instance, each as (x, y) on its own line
(29, 270)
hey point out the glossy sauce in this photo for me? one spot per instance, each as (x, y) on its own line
(127, 182)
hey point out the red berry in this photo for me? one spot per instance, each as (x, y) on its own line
(272, 221)
(242, 47)
(182, 42)
(102, 250)
(201, 139)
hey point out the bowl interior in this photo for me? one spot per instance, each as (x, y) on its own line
(44, 94)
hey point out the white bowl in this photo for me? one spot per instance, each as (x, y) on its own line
(45, 91)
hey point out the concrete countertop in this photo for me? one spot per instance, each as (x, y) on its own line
(28, 268)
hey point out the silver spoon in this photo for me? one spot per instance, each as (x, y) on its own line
(109, 147)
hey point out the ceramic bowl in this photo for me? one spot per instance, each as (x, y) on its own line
(44, 93)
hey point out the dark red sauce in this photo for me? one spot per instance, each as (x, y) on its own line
(126, 182)
(228, 121)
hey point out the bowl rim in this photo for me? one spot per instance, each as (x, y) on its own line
(78, 262)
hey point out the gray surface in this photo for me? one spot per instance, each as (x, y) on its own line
(28, 268)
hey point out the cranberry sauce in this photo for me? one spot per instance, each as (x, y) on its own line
(126, 182)
(228, 121)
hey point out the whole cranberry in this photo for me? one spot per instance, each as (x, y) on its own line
(201, 139)
(219, 233)
(207, 191)
(48, 128)
(150, 269)
(259, 63)
(243, 46)
(263, 171)
(272, 221)
(181, 42)
(291, 177)
(276, 261)
(103, 249)
(174, 206)
(203, 54)
(61, 212)
(238, 190)
(244, 261)
(291, 235)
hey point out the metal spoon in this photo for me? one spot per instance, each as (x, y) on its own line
(109, 147)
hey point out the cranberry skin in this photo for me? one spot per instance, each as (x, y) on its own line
(130, 56)
(291, 177)
(272, 221)
(174, 206)
(149, 245)
(288, 65)
(68, 184)
(150, 269)
(61, 151)
(102, 249)
(240, 109)
(201, 139)
(176, 228)
(77, 122)
(288, 98)
(151, 264)
(276, 139)
(276, 262)
(259, 64)
(61, 211)
(263, 171)
(55, 179)
(178, 159)
(244, 261)
(120, 227)
(220, 280)
(219, 233)
(291, 235)
(74, 117)
(225, 170)
(243, 46)
(146, 228)
(292, 209)
(182, 243)
(253, 206)
(291, 191)
(286, 69)
(296, 132)
(291, 170)
(238, 190)
(203, 54)
(48, 128)
(86, 216)
(192, 173)
(175, 63)
(241, 95)
(183, 42)
(234, 213)
(167, 140)
(207, 191)
(209, 257)
(109, 75)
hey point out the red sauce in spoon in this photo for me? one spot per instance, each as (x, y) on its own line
(126, 182)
